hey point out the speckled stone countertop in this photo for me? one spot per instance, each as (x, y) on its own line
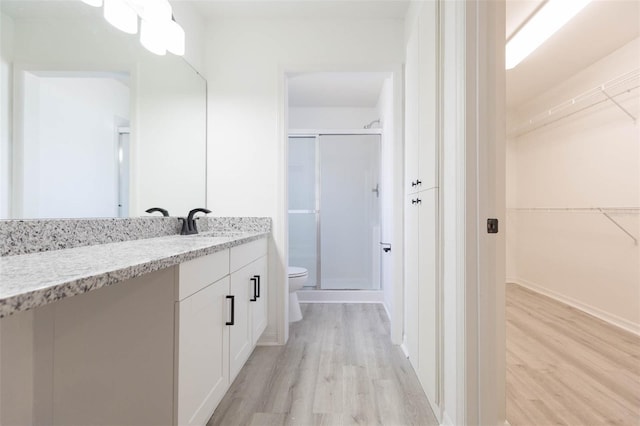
(31, 280)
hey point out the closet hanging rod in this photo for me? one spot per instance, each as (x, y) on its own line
(621, 210)
(605, 211)
(602, 93)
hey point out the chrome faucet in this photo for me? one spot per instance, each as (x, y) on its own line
(189, 224)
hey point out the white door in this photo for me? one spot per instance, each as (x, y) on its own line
(428, 294)
(350, 212)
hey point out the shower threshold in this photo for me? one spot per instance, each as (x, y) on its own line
(340, 296)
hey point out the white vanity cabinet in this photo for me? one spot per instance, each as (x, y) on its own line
(259, 306)
(201, 337)
(248, 284)
(161, 348)
(220, 314)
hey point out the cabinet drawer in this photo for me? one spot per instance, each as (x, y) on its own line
(198, 273)
(246, 253)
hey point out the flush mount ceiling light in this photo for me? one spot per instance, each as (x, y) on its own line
(549, 19)
(159, 31)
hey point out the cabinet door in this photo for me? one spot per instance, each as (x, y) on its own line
(259, 299)
(428, 295)
(240, 344)
(428, 127)
(202, 375)
(412, 320)
(412, 115)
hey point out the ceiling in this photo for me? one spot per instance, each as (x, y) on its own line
(600, 28)
(302, 9)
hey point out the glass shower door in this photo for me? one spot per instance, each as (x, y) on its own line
(303, 208)
(350, 212)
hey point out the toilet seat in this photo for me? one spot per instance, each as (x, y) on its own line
(296, 272)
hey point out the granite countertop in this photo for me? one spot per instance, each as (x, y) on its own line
(31, 280)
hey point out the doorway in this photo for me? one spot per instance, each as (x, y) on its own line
(573, 221)
(334, 209)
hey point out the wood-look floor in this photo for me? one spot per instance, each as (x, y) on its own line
(338, 368)
(565, 367)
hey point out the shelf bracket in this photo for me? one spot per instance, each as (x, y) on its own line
(604, 92)
(615, 222)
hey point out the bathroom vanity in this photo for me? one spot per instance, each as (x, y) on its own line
(145, 331)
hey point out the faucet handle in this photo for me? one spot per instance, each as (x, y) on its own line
(164, 212)
(189, 225)
(194, 211)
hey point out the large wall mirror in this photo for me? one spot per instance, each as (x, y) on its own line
(92, 124)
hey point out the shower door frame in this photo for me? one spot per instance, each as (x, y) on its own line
(316, 134)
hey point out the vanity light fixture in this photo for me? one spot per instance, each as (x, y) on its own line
(548, 19)
(159, 31)
(175, 38)
(120, 14)
(152, 36)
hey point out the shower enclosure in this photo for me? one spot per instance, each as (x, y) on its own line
(334, 209)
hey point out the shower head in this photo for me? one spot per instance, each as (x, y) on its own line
(368, 126)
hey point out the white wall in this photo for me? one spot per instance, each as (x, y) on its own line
(328, 118)
(6, 116)
(591, 159)
(246, 61)
(70, 142)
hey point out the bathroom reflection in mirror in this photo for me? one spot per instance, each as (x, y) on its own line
(72, 157)
(91, 123)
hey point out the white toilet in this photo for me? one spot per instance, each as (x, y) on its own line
(297, 277)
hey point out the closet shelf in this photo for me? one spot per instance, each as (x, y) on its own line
(607, 212)
(610, 91)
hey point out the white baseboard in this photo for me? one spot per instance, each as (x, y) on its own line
(384, 305)
(340, 296)
(268, 339)
(446, 420)
(598, 313)
(404, 350)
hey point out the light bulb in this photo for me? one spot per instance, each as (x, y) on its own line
(152, 37)
(550, 18)
(94, 3)
(175, 38)
(157, 10)
(119, 14)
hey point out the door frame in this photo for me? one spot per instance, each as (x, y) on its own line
(396, 314)
(480, 166)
